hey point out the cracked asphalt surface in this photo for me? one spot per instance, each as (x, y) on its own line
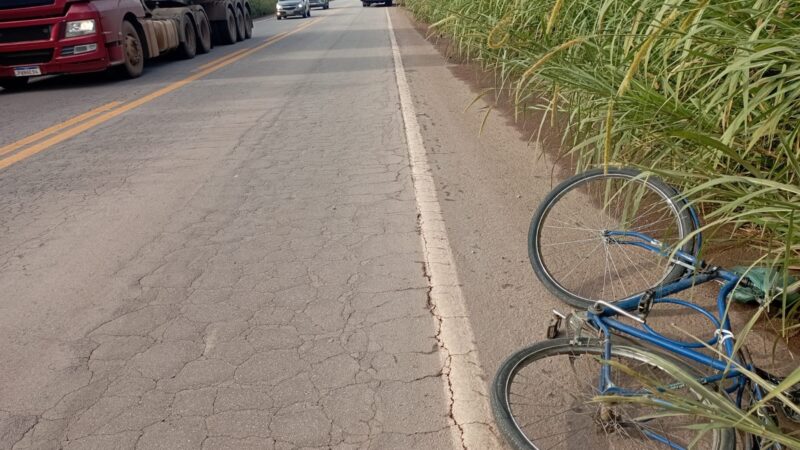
(234, 265)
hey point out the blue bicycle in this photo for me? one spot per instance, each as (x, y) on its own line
(617, 244)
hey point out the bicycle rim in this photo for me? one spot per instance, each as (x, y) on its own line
(545, 397)
(572, 253)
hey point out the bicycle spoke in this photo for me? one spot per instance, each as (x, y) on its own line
(605, 271)
(636, 266)
(619, 277)
(575, 267)
(551, 244)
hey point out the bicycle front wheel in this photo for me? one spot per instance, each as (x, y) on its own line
(545, 397)
(574, 242)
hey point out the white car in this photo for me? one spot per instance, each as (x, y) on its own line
(288, 8)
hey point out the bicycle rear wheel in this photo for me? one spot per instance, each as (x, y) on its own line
(543, 397)
(575, 258)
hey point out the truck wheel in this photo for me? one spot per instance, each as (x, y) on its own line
(226, 29)
(132, 50)
(248, 24)
(13, 84)
(203, 35)
(188, 48)
(240, 26)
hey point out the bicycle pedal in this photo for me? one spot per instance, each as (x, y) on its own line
(646, 303)
(554, 325)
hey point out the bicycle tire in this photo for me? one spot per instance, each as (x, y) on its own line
(507, 423)
(570, 191)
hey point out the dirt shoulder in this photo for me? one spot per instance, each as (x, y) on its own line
(489, 184)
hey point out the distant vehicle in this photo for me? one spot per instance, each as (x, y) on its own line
(366, 3)
(288, 8)
(324, 4)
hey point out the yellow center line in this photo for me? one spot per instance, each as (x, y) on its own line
(219, 60)
(57, 127)
(72, 132)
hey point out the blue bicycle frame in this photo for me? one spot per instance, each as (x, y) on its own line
(602, 316)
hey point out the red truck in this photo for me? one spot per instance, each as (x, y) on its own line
(42, 37)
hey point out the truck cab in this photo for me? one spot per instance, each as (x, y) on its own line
(39, 37)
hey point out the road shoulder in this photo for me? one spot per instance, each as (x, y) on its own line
(489, 183)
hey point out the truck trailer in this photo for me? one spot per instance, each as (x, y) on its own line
(44, 37)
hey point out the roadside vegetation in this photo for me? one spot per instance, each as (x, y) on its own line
(263, 7)
(703, 93)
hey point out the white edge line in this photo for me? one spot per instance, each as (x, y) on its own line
(464, 385)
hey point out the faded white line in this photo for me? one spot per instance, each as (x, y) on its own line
(464, 386)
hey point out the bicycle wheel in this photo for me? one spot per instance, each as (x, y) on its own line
(575, 259)
(544, 397)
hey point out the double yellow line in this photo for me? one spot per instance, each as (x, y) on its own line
(70, 128)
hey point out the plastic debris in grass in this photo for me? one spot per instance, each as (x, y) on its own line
(763, 280)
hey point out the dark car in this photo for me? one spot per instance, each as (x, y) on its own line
(366, 3)
(324, 4)
(288, 8)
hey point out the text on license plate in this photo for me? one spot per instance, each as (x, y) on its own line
(27, 71)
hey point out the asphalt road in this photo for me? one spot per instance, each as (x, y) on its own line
(232, 262)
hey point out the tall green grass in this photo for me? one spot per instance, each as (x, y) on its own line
(705, 93)
(263, 7)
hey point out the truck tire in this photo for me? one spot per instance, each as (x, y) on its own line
(188, 48)
(240, 25)
(248, 24)
(132, 50)
(203, 35)
(226, 29)
(13, 84)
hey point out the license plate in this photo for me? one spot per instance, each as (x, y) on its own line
(27, 71)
